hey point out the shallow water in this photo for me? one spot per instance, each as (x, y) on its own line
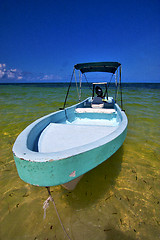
(120, 199)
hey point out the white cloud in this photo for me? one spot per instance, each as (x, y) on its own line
(17, 75)
(51, 77)
(10, 74)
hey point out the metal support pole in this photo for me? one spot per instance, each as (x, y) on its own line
(121, 86)
(68, 91)
(116, 87)
(93, 91)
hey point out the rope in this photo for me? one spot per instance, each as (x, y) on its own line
(46, 205)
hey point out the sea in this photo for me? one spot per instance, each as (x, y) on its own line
(118, 200)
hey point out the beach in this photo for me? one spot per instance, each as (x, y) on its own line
(120, 199)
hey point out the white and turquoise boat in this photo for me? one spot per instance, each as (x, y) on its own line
(59, 148)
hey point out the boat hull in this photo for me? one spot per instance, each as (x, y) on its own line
(53, 169)
(51, 173)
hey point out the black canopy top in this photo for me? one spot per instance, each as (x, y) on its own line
(110, 67)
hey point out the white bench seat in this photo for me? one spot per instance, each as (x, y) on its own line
(95, 110)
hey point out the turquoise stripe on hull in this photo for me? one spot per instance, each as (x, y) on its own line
(51, 173)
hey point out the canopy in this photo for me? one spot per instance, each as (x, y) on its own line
(110, 67)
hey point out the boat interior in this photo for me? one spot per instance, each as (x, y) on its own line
(83, 124)
(86, 122)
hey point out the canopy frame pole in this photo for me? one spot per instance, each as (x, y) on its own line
(76, 84)
(93, 91)
(80, 85)
(116, 87)
(120, 71)
(106, 91)
(87, 81)
(65, 101)
(110, 80)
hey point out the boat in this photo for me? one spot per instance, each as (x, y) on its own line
(59, 148)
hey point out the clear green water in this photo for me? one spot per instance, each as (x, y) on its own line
(120, 199)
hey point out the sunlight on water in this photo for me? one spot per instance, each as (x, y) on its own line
(120, 199)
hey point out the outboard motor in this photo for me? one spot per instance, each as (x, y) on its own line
(99, 91)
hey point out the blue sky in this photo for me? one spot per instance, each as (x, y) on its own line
(51, 36)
